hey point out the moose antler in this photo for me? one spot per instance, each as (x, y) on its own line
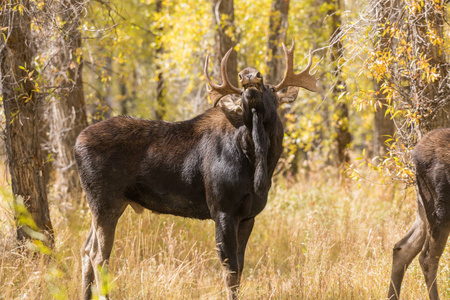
(303, 79)
(216, 92)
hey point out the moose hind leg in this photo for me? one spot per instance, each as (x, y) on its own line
(430, 256)
(226, 242)
(87, 269)
(404, 252)
(438, 231)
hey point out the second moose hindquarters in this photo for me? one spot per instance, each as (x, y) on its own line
(217, 166)
(429, 233)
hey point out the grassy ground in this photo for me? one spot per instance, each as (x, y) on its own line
(317, 239)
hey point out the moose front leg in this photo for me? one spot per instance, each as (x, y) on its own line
(227, 246)
(244, 231)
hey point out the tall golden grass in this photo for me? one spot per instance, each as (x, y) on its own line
(320, 238)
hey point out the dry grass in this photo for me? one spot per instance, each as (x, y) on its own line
(316, 239)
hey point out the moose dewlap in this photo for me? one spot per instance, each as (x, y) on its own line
(216, 166)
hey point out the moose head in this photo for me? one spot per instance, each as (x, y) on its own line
(215, 166)
(252, 81)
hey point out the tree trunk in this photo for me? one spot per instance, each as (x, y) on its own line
(433, 20)
(278, 25)
(160, 112)
(343, 136)
(124, 99)
(225, 38)
(67, 110)
(22, 105)
(107, 98)
(383, 124)
(104, 106)
(340, 117)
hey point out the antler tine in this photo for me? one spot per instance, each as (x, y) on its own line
(216, 92)
(205, 70)
(223, 71)
(303, 79)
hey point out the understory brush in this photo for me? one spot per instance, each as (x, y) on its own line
(318, 238)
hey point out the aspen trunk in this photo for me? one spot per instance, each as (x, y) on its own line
(23, 112)
(225, 38)
(67, 115)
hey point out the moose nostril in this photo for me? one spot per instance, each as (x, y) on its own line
(258, 75)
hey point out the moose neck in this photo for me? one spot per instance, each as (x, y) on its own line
(266, 132)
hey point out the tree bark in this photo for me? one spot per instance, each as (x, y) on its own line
(103, 110)
(384, 126)
(433, 21)
(23, 107)
(278, 25)
(128, 92)
(124, 99)
(340, 117)
(67, 110)
(225, 38)
(160, 112)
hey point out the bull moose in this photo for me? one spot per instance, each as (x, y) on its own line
(216, 166)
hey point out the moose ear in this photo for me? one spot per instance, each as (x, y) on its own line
(231, 103)
(288, 95)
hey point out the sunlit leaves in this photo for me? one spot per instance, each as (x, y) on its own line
(407, 62)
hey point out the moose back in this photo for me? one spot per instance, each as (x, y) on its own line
(216, 166)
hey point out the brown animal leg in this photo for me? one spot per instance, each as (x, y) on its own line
(429, 259)
(226, 241)
(405, 251)
(244, 231)
(101, 250)
(87, 269)
(98, 245)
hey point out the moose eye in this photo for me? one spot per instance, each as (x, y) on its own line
(273, 90)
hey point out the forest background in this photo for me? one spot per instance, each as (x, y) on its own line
(340, 199)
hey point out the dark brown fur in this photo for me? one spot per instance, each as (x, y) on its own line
(429, 234)
(216, 166)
